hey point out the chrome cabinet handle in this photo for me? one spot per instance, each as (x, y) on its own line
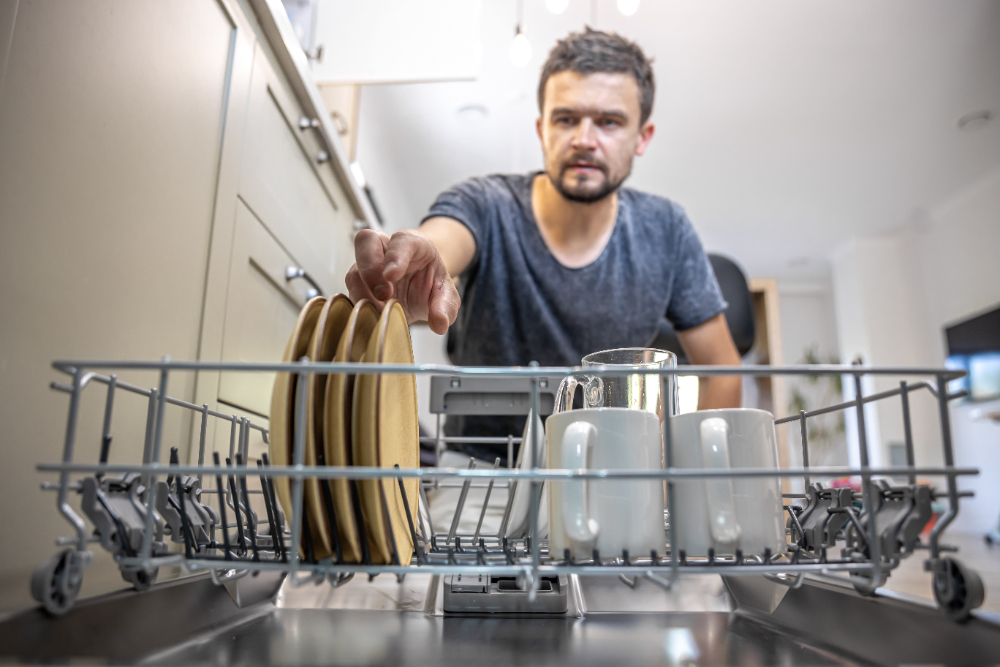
(293, 272)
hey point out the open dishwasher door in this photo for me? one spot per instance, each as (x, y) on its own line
(387, 622)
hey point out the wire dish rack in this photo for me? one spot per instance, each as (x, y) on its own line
(224, 519)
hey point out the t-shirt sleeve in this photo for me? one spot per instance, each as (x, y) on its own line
(465, 203)
(696, 296)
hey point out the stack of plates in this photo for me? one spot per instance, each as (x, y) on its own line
(365, 420)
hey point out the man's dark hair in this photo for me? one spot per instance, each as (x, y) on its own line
(596, 51)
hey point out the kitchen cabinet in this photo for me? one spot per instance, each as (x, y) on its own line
(261, 309)
(154, 185)
(287, 186)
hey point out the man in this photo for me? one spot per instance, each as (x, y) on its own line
(564, 262)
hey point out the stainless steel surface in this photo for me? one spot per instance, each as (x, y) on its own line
(392, 623)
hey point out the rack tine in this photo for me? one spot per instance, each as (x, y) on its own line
(246, 504)
(279, 534)
(388, 522)
(222, 508)
(201, 437)
(460, 506)
(186, 532)
(236, 508)
(804, 435)
(904, 397)
(308, 543)
(106, 430)
(486, 501)
(511, 490)
(359, 523)
(409, 518)
(425, 521)
(267, 507)
(324, 486)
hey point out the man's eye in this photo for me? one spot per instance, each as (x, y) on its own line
(610, 122)
(564, 120)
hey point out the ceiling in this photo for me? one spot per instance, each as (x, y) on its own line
(784, 127)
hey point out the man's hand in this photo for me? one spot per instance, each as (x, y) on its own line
(407, 267)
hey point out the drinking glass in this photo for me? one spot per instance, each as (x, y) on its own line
(642, 391)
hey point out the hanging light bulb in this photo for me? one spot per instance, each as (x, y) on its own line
(556, 6)
(628, 7)
(520, 49)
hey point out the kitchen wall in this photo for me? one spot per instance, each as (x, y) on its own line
(894, 294)
(808, 326)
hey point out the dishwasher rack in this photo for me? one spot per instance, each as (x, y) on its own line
(135, 508)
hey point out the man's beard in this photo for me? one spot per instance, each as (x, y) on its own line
(585, 197)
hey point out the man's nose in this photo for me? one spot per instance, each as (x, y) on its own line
(586, 135)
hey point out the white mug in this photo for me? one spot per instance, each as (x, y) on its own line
(726, 513)
(605, 514)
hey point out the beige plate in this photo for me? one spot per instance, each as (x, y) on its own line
(337, 434)
(283, 400)
(329, 329)
(386, 433)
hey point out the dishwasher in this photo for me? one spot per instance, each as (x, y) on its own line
(471, 593)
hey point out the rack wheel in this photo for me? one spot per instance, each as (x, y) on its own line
(957, 589)
(140, 579)
(56, 582)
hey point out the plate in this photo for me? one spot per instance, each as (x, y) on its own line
(283, 400)
(337, 423)
(326, 334)
(519, 523)
(385, 433)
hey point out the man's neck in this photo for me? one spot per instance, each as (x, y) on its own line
(575, 233)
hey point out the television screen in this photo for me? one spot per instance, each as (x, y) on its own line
(974, 346)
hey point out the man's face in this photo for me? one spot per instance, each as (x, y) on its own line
(590, 132)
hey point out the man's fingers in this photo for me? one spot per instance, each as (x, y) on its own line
(369, 253)
(408, 251)
(443, 307)
(356, 287)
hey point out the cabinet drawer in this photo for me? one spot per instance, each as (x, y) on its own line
(261, 310)
(296, 197)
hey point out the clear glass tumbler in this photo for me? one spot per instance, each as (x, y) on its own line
(653, 393)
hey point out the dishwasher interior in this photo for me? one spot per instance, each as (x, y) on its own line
(473, 590)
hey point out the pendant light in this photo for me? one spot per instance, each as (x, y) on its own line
(556, 6)
(628, 7)
(520, 48)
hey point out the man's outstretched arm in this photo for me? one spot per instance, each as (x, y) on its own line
(415, 267)
(711, 344)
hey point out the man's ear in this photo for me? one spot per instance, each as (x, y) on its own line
(538, 127)
(645, 136)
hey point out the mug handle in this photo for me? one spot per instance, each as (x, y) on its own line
(718, 490)
(593, 392)
(577, 440)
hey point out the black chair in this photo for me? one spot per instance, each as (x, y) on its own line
(739, 313)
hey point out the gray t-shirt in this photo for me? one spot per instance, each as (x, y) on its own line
(519, 304)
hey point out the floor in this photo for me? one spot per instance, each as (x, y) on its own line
(973, 551)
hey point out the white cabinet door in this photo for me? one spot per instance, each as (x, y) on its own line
(260, 312)
(286, 185)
